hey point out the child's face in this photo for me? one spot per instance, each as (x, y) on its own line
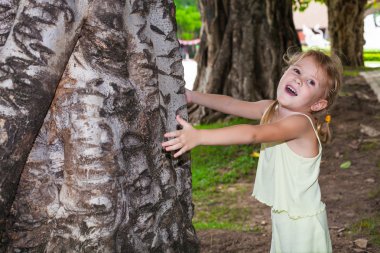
(303, 86)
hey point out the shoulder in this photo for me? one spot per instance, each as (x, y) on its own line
(264, 105)
(297, 122)
(288, 128)
(302, 126)
(305, 143)
(294, 125)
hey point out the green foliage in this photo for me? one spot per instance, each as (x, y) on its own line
(185, 2)
(188, 19)
(373, 4)
(301, 5)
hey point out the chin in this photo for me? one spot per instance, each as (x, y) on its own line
(281, 100)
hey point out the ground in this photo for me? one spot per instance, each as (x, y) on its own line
(352, 195)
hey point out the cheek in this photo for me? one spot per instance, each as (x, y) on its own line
(281, 83)
(315, 97)
(278, 91)
(321, 94)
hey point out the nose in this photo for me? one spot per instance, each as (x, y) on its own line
(299, 81)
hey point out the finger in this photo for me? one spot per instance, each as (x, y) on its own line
(181, 121)
(188, 96)
(180, 152)
(172, 134)
(171, 142)
(174, 147)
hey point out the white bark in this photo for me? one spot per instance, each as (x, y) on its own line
(31, 63)
(97, 179)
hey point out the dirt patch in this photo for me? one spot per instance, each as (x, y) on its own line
(351, 195)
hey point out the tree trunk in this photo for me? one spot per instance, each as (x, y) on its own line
(30, 68)
(7, 17)
(241, 50)
(96, 179)
(346, 30)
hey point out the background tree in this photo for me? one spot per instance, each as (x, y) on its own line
(345, 26)
(346, 30)
(96, 178)
(241, 50)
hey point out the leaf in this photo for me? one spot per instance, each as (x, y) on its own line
(345, 165)
(361, 243)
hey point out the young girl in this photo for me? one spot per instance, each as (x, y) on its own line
(288, 168)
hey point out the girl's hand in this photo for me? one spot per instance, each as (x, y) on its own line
(189, 99)
(184, 140)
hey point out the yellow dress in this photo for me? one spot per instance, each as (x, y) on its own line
(288, 183)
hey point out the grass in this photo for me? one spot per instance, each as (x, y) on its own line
(221, 209)
(369, 228)
(215, 169)
(350, 71)
(213, 165)
(371, 145)
(368, 54)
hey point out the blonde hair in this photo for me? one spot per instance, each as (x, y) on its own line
(332, 68)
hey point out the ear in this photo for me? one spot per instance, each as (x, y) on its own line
(319, 106)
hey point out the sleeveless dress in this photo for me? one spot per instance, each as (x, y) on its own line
(288, 183)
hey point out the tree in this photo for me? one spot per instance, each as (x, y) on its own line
(241, 49)
(96, 178)
(346, 27)
(346, 30)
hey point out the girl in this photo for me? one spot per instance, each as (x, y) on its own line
(288, 168)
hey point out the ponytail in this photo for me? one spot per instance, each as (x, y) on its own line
(323, 129)
(269, 113)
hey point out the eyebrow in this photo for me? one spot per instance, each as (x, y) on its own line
(295, 65)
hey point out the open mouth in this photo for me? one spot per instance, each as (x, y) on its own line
(290, 90)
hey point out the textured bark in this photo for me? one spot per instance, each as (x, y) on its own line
(8, 10)
(30, 68)
(96, 179)
(346, 30)
(241, 50)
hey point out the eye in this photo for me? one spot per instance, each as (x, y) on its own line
(297, 71)
(311, 82)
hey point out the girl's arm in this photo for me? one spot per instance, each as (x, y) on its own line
(289, 128)
(229, 105)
